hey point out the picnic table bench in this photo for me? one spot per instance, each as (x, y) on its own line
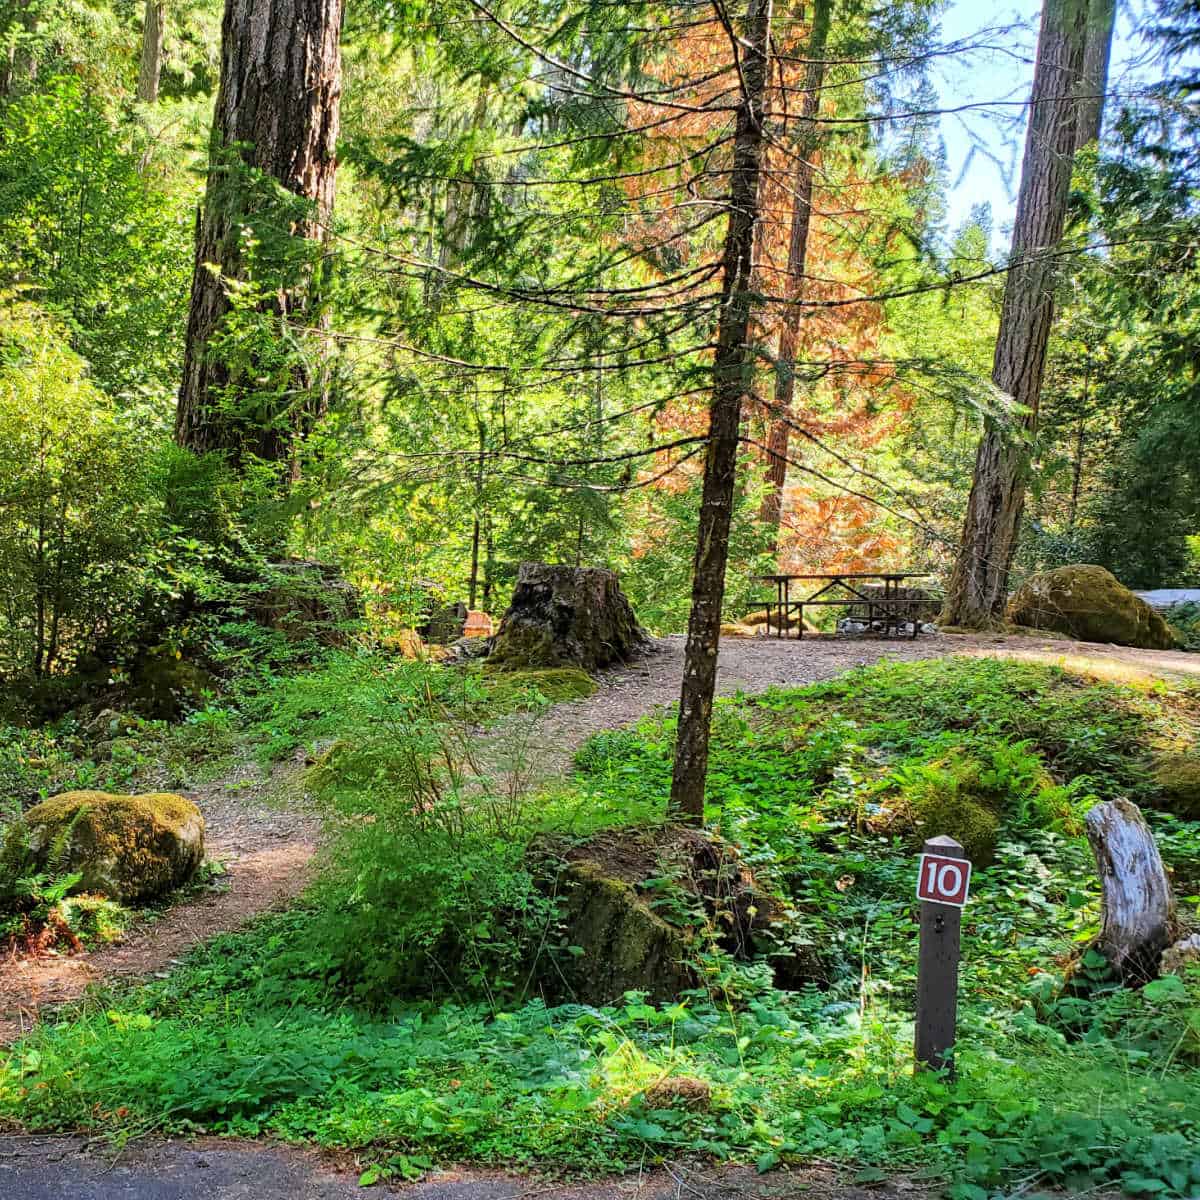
(891, 611)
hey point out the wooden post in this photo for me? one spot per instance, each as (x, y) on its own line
(937, 972)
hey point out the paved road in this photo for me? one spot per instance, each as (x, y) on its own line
(1165, 597)
(50, 1168)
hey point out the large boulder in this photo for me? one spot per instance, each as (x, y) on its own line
(128, 848)
(1089, 603)
(566, 617)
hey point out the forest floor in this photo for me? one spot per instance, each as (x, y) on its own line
(259, 829)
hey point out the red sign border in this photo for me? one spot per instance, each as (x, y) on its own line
(960, 862)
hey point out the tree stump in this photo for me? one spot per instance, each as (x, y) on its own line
(566, 617)
(1137, 909)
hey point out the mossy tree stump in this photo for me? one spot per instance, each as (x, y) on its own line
(566, 617)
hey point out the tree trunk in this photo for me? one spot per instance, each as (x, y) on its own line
(779, 433)
(978, 587)
(1097, 50)
(21, 65)
(732, 368)
(276, 115)
(153, 28)
(1137, 910)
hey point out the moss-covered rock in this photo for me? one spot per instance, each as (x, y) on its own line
(556, 684)
(127, 848)
(1177, 777)
(964, 797)
(1089, 603)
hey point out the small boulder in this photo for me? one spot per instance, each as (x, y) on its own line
(1185, 953)
(679, 1091)
(127, 848)
(1089, 603)
(567, 617)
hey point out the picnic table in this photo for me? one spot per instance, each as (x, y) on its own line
(891, 612)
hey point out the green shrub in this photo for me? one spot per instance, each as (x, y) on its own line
(1184, 620)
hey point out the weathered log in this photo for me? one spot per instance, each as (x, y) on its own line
(1137, 909)
(566, 617)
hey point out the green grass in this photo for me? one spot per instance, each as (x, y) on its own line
(278, 1030)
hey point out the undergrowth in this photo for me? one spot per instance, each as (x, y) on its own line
(299, 1027)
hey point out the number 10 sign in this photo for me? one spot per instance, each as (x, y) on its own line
(943, 880)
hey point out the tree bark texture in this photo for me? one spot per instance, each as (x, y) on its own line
(978, 587)
(779, 433)
(276, 113)
(732, 368)
(1137, 909)
(1097, 50)
(153, 28)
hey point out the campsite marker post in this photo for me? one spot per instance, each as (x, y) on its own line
(942, 885)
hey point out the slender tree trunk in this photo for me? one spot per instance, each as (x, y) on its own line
(779, 433)
(732, 368)
(276, 114)
(21, 65)
(1097, 50)
(153, 27)
(978, 587)
(477, 524)
(1076, 474)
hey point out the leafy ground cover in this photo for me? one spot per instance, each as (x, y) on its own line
(392, 1011)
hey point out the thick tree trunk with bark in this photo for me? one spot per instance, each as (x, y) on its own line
(153, 28)
(779, 434)
(276, 114)
(978, 586)
(1137, 909)
(732, 368)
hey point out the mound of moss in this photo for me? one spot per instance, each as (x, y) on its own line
(1177, 777)
(126, 848)
(511, 688)
(1089, 603)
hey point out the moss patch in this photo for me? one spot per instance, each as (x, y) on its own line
(126, 848)
(1177, 777)
(966, 797)
(556, 684)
